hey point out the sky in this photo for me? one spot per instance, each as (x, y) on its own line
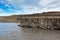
(16, 7)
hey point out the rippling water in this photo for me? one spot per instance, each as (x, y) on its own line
(10, 31)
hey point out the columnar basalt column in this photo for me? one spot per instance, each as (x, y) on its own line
(52, 23)
(45, 23)
(35, 23)
(57, 23)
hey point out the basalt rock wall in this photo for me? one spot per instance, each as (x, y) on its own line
(43, 23)
(45, 20)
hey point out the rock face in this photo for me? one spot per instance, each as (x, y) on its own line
(43, 21)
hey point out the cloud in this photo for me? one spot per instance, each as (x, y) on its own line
(34, 6)
(45, 2)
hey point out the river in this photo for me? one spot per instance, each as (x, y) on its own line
(10, 31)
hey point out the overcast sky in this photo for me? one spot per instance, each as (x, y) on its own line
(28, 6)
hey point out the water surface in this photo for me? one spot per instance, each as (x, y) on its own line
(6, 28)
(10, 31)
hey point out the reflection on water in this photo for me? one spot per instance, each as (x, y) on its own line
(10, 31)
(6, 28)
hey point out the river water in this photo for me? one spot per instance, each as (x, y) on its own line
(10, 31)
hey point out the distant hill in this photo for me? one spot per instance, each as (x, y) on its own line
(16, 18)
